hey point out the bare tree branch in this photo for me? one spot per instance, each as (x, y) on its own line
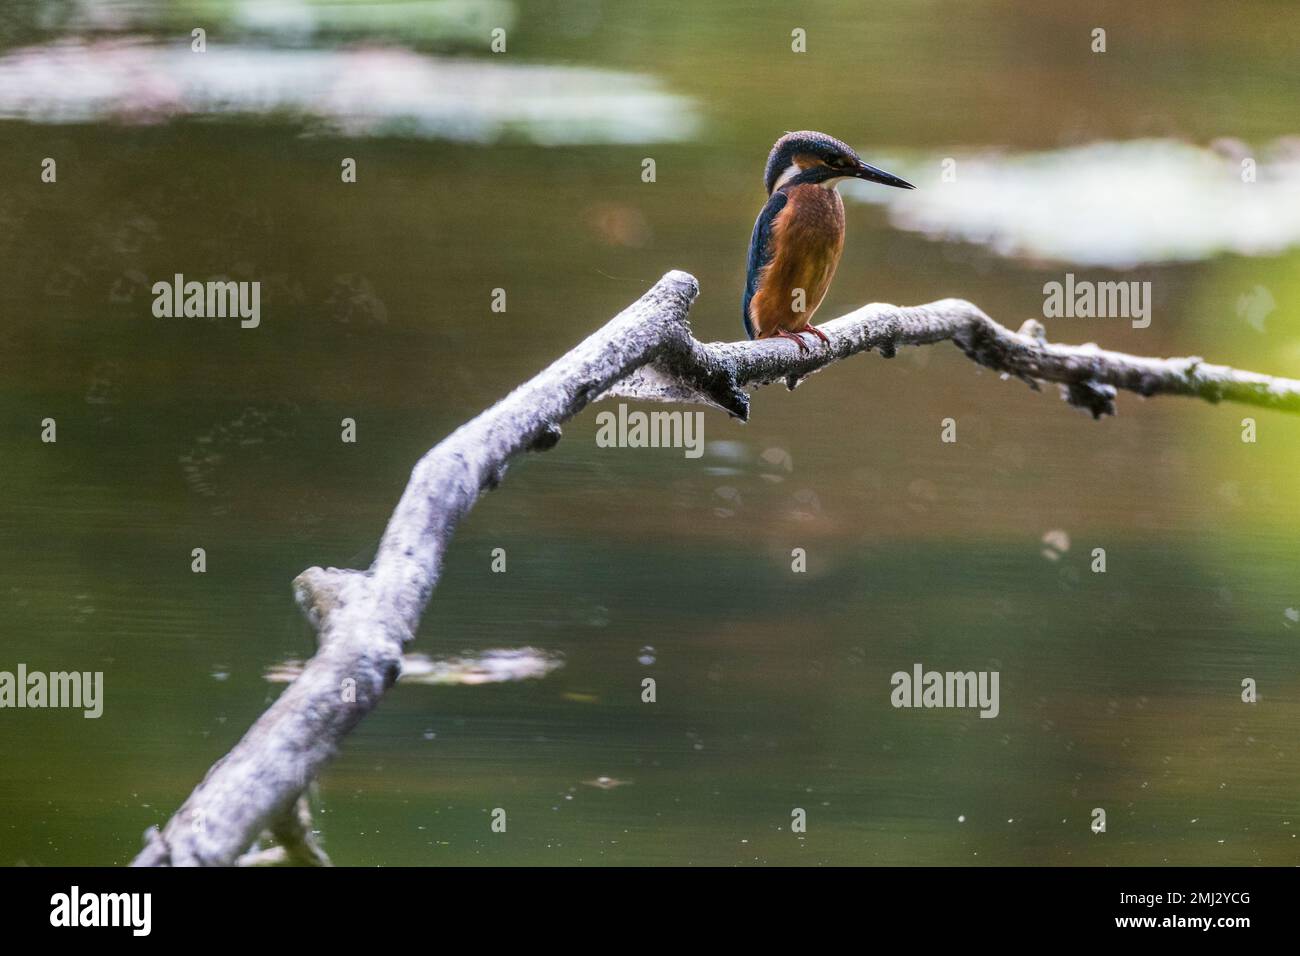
(364, 619)
(295, 843)
(1089, 376)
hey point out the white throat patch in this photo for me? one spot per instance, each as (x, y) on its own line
(791, 171)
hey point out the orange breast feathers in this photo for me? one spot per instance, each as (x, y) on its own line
(807, 239)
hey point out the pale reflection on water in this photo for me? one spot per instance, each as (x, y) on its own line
(369, 91)
(491, 666)
(1116, 205)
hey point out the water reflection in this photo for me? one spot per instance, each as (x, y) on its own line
(371, 91)
(491, 666)
(1115, 204)
(298, 21)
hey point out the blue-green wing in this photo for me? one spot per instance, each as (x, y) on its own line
(760, 253)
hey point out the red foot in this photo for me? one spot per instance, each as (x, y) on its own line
(817, 332)
(794, 338)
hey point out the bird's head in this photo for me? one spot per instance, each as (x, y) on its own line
(816, 158)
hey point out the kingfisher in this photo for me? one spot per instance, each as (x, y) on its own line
(799, 234)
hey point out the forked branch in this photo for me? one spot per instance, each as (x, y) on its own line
(364, 619)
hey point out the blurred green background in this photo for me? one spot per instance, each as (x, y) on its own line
(1118, 690)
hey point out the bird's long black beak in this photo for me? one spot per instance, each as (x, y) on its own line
(873, 175)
